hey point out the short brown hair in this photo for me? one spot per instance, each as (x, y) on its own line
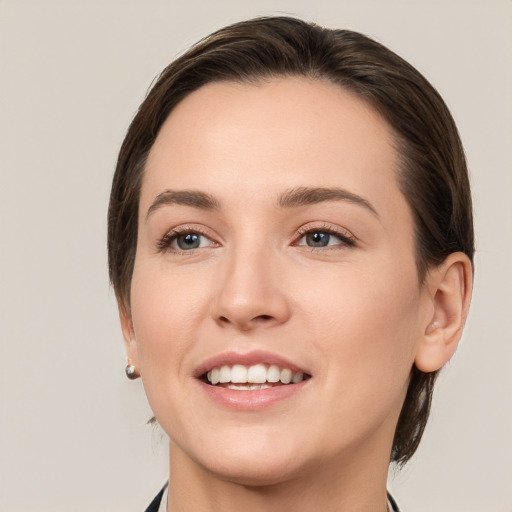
(433, 175)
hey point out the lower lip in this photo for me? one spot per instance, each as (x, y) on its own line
(251, 400)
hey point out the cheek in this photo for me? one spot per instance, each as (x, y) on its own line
(366, 324)
(164, 312)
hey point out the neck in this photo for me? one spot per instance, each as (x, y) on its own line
(355, 484)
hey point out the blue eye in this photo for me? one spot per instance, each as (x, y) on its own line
(179, 240)
(319, 239)
(189, 241)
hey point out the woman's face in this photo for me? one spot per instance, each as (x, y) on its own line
(273, 236)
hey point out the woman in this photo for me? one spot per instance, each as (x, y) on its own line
(291, 244)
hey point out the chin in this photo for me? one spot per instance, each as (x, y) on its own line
(250, 460)
(255, 471)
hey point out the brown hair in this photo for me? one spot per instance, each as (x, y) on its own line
(433, 176)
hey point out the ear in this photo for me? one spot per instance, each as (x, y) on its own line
(128, 333)
(449, 286)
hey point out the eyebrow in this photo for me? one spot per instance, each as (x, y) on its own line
(192, 198)
(294, 198)
(303, 196)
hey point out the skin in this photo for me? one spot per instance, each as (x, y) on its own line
(352, 314)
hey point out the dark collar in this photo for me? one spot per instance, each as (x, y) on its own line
(155, 504)
(392, 502)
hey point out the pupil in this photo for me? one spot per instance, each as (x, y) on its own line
(317, 239)
(188, 241)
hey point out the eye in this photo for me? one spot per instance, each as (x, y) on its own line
(184, 241)
(319, 238)
(187, 241)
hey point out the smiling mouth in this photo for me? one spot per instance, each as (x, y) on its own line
(255, 377)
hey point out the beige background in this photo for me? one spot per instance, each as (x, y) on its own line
(72, 431)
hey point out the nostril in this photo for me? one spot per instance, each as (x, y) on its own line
(246, 324)
(262, 320)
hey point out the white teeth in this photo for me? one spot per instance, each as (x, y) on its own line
(260, 386)
(298, 377)
(238, 387)
(285, 377)
(273, 373)
(246, 387)
(257, 376)
(238, 374)
(225, 374)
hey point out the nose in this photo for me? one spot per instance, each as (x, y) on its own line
(251, 293)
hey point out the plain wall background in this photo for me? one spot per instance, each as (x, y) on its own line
(72, 428)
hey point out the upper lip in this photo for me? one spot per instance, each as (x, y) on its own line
(248, 359)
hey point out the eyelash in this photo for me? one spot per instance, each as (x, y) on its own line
(347, 240)
(164, 243)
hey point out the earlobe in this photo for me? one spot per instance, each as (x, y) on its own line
(450, 287)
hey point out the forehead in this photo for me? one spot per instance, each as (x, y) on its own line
(241, 140)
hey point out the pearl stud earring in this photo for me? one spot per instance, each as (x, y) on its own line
(131, 372)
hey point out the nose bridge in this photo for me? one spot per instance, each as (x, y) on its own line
(250, 293)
